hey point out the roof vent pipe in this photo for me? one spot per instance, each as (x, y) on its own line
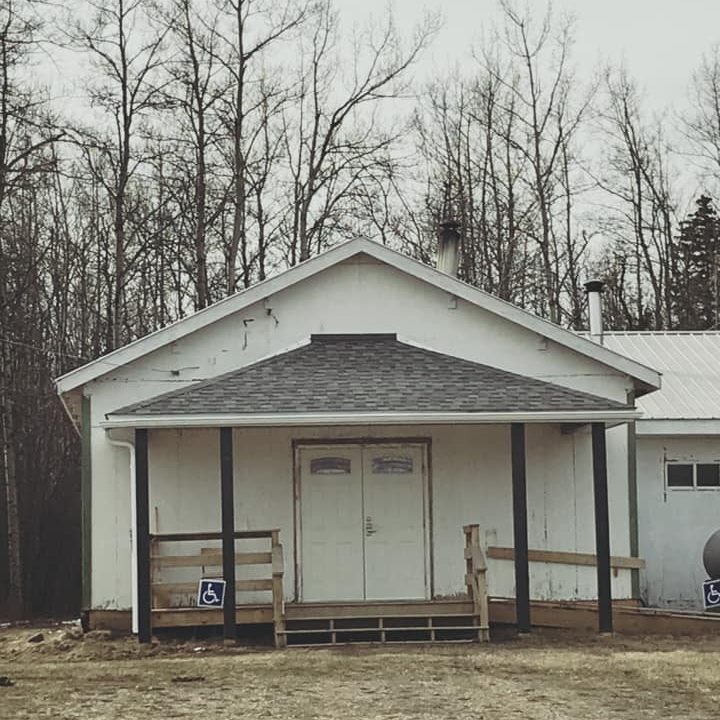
(594, 289)
(448, 247)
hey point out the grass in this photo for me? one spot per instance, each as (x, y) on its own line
(547, 676)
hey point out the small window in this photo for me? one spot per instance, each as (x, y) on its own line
(392, 465)
(330, 466)
(708, 475)
(679, 475)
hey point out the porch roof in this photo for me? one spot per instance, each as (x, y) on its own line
(366, 375)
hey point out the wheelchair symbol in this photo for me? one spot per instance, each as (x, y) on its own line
(209, 597)
(713, 596)
(211, 593)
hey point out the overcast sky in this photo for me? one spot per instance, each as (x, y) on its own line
(660, 41)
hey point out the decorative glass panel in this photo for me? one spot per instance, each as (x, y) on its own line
(708, 475)
(679, 475)
(392, 465)
(330, 466)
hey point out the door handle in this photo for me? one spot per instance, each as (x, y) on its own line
(369, 526)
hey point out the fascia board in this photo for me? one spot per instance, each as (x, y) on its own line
(650, 427)
(321, 419)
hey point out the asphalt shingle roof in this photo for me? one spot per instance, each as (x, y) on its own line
(367, 373)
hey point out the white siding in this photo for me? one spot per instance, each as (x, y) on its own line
(674, 524)
(470, 483)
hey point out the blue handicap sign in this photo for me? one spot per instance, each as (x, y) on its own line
(711, 594)
(211, 593)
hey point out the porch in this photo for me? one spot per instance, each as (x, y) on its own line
(349, 434)
(255, 561)
(174, 604)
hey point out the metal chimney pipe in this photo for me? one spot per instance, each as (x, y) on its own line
(594, 289)
(448, 258)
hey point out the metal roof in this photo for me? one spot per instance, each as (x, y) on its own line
(690, 367)
(367, 373)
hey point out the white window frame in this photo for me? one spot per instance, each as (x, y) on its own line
(694, 487)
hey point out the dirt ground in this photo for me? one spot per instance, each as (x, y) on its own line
(547, 676)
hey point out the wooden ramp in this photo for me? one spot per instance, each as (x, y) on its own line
(628, 617)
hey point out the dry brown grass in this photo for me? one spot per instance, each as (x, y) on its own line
(549, 676)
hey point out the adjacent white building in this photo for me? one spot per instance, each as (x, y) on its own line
(678, 461)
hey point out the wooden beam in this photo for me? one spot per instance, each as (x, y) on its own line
(192, 536)
(142, 529)
(228, 532)
(520, 531)
(190, 588)
(210, 559)
(195, 617)
(602, 527)
(566, 558)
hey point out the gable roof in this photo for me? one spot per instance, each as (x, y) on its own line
(690, 364)
(337, 374)
(646, 378)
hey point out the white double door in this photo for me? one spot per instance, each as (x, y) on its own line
(362, 523)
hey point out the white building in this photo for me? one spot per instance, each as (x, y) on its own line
(678, 461)
(365, 407)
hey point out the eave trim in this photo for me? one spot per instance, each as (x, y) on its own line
(382, 418)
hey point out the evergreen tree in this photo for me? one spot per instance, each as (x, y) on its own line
(695, 269)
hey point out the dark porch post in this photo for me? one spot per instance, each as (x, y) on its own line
(142, 541)
(228, 531)
(519, 488)
(602, 527)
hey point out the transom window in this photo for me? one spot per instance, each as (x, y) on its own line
(692, 475)
(330, 465)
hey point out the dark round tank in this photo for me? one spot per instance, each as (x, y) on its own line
(711, 556)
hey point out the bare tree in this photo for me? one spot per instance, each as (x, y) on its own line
(550, 118)
(255, 27)
(333, 131)
(641, 205)
(26, 134)
(196, 87)
(701, 122)
(126, 52)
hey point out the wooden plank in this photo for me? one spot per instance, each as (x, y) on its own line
(210, 559)
(278, 594)
(192, 617)
(119, 621)
(238, 535)
(565, 558)
(424, 608)
(181, 537)
(278, 563)
(627, 620)
(189, 588)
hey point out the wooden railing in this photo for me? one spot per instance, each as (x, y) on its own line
(476, 581)
(209, 560)
(617, 562)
